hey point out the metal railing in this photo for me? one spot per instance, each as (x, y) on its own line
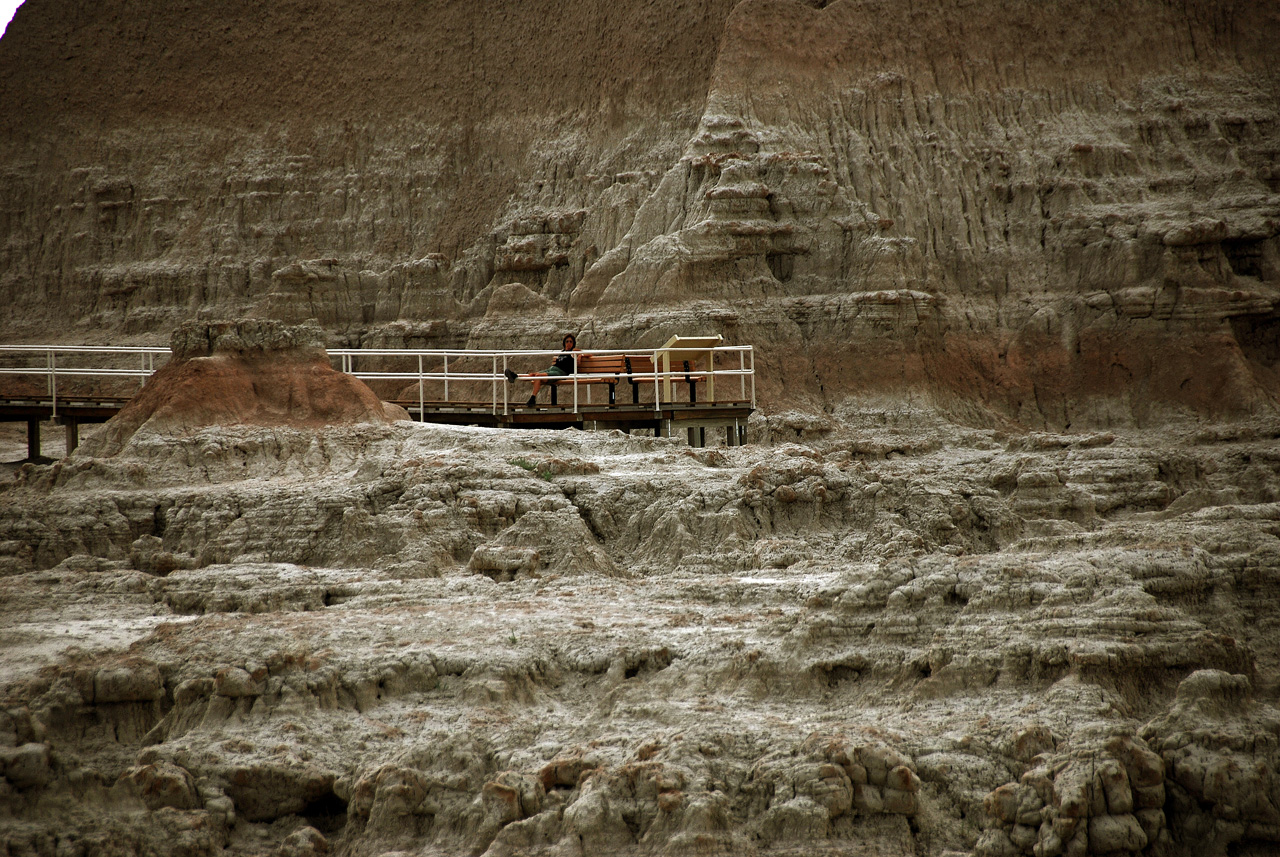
(72, 355)
(432, 366)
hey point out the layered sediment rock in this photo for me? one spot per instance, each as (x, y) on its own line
(255, 372)
(1206, 766)
(917, 638)
(1033, 210)
(257, 616)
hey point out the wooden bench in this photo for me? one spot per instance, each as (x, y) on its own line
(594, 364)
(612, 369)
(642, 364)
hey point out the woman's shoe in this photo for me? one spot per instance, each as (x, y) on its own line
(511, 376)
(533, 401)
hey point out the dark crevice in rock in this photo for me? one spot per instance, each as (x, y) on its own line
(327, 813)
(1259, 338)
(1245, 257)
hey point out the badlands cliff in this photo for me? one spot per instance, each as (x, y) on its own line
(1064, 214)
(995, 576)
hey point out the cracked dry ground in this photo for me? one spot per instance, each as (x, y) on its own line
(908, 637)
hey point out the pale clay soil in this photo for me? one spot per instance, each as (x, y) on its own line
(285, 617)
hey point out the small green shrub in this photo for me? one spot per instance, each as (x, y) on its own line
(532, 468)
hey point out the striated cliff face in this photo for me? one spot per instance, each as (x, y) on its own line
(1060, 214)
(1084, 212)
(974, 588)
(158, 165)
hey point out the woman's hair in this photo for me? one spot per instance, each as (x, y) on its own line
(568, 337)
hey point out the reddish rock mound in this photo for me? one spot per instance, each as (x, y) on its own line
(251, 371)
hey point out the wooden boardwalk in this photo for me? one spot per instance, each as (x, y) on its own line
(665, 421)
(654, 407)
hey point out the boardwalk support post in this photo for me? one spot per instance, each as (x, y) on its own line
(73, 433)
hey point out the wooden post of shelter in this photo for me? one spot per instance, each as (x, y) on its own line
(679, 349)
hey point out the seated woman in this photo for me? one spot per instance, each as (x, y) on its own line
(562, 366)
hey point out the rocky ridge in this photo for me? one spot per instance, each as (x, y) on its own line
(913, 637)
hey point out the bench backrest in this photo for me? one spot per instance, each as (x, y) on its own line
(616, 364)
(623, 364)
(640, 364)
(643, 364)
(602, 363)
(628, 366)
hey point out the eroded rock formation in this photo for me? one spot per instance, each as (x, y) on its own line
(1065, 214)
(255, 372)
(910, 638)
(994, 578)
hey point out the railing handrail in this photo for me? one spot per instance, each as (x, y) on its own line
(91, 349)
(52, 370)
(508, 352)
(63, 370)
(369, 352)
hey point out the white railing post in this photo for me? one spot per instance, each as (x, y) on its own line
(504, 386)
(657, 399)
(53, 382)
(575, 383)
(753, 377)
(446, 377)
(742, 368)
(709, 388)
(422, 408)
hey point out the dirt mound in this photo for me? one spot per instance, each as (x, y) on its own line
(246, 372)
